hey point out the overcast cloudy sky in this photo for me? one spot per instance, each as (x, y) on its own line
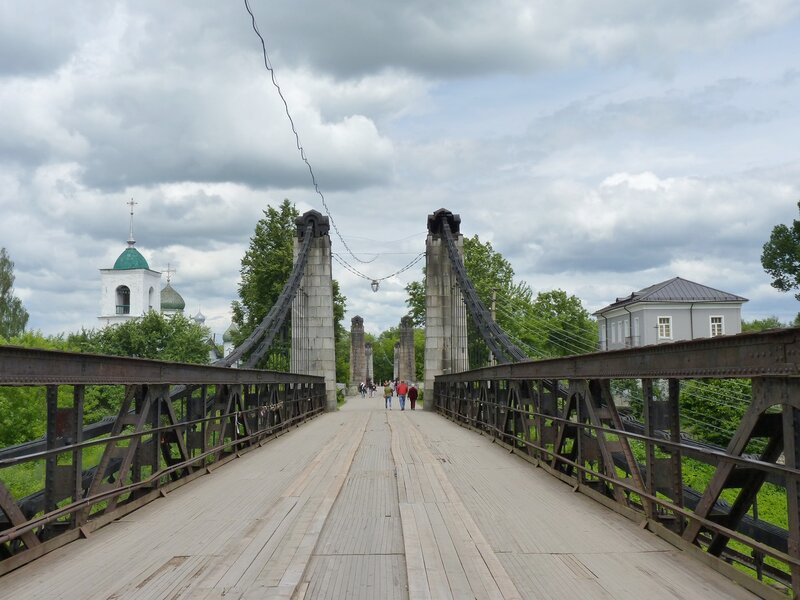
(600, 146)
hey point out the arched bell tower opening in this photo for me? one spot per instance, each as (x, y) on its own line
(123, 300)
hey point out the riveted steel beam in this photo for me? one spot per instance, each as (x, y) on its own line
(766, 354)
(25, 366)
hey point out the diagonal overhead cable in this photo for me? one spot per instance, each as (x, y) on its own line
(300, 148)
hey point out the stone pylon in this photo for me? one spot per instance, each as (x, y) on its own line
(313, 347)
(445, 312)
(358, 362)
(370, 363)
(406, 362)
(396, 361)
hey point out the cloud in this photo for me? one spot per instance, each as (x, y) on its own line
(600, 148)
(471, 39)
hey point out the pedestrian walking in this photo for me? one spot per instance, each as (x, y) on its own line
(402, 390)
(412, 395)
(387, 394)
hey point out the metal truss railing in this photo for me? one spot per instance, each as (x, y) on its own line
(561, 414)
(175, 422)
(504, 350)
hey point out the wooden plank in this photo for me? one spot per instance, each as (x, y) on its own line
(418, 588)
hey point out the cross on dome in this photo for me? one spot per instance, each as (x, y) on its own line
(131, 241)
(169, 271)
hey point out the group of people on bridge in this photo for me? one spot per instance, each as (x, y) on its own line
(403, 390)
(390, 388)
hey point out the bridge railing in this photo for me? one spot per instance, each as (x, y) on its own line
(562, 415)
(175, 422)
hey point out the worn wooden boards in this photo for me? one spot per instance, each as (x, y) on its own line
(368, 503)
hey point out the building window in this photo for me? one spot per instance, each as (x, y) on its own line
(717, 326)
(123, 300)
(627, 331)
(665, 328)
(614, 332)
(635, 331)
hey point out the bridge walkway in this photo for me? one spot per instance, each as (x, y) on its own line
(368, 503)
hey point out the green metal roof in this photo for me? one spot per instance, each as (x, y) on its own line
(171, 300)
(130, 259)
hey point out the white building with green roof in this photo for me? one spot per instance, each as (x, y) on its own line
(130, 288)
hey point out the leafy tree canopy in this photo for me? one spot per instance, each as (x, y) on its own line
(155, 336)
(13, 316)
(266, 266)
(762, 324)
(781, 257)
(552, 324)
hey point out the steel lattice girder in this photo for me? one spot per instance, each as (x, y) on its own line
(767, 354)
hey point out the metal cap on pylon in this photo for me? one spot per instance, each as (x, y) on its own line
(320, 223)
(435, 221)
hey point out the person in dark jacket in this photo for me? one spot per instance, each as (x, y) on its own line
(412, 395)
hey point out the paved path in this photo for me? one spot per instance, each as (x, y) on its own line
(374, 504)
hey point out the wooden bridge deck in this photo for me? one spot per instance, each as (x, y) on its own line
(366, 503)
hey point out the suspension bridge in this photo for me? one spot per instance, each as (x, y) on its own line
(520, 478)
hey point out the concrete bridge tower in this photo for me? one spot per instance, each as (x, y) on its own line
(313, 347)
(358, 361)
(445, 312)
(370, 363)
(406, 363)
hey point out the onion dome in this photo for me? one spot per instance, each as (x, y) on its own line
(170, 299)
(199, 318)
(227, 337)
(130, 258)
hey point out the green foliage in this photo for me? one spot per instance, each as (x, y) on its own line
(419, 354)
(416, 301)
(762, 324)
(23, 410)
(13, 316)
(713, 408)
(155, 336)
(781, 257)
(266, 267)
(341, 336)
(552, 324)
(559, 325)
(383, 354)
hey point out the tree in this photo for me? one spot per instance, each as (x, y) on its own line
(13, 316)
(383, 354)
(23, 410)
(554, 324)
(266, 266)
(155, 336)
(561, 325)
(416, 301)
(781, 257)
(340, 336)
(762, 324)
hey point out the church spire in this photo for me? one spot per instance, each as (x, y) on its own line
(131, 241)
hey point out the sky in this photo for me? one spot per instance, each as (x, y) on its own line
(601, 147)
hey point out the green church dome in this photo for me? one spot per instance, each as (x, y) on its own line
(130, 259)
(227, 337)
(171, 300)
